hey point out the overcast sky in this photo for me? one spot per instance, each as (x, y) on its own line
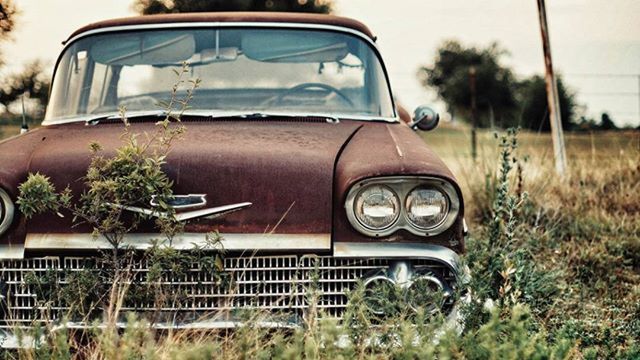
(589, 37)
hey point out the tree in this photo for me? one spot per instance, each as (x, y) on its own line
(148, 7)
(606, 123)
(8, 14)
(30, 82)
(495, 83)
(532, 94)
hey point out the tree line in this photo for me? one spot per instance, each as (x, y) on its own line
(502, 100)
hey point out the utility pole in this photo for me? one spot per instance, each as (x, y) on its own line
(474, 112)
(553, 100)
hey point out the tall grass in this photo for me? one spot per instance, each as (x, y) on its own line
(573, 253)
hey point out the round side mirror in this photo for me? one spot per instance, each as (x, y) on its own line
(425, 119)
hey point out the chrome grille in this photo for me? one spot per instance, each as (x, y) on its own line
(279, 284)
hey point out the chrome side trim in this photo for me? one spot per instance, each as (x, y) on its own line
(209, 213)
(279, 25)
(141, 241)
(401, 251)
(8, 251)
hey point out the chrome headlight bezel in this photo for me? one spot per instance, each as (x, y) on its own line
(6, 211)
(396, 215)
(403, 186)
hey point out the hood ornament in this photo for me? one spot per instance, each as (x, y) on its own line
(181, 202)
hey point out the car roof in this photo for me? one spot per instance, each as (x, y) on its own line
(249, 17)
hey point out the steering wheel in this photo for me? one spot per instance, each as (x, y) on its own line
(278, 99)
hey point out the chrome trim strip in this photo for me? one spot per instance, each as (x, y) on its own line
(400, 250)
(217, 114)
(221, 24)
(9, 251)
(209, 213)
(187, 25)
(186, 241)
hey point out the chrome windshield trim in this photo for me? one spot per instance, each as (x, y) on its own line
(185, 241)
(87, 118)
(292, 25)
(221, 24)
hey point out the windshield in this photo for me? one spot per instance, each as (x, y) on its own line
(293, 71)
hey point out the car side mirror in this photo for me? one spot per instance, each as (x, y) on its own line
(424, 118)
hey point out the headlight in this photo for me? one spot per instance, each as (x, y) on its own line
(6, 211)
(377, 207)
(421, 205)
(426, 207)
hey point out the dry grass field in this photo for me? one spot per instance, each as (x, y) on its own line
(557, 257)
(9, 131)
(588, 154)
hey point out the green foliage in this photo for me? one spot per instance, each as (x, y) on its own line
(606, 123)
(38, 195)
(31, 82)
(8, 13)
(148, 7)
(495, 83)
(535, 112)
(503, 268)
(502, 100)
(571, 254)
(129, 178)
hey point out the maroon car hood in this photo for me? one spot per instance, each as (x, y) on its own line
(285, 168)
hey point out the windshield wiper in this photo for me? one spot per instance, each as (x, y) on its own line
(245, 116)
(117, 116)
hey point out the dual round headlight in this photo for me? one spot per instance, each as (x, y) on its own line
(422, 207)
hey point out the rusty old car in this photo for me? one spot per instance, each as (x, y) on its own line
(293, 137)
